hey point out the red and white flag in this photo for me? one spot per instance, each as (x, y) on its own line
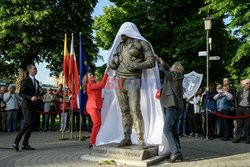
(73, 75)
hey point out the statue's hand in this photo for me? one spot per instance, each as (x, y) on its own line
(116, 60)
(132, 66)
(114, 63)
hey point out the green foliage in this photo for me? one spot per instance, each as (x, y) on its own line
(239, 66)
(33, 31)
(175, 28)
(99, 71)
(237, 11)
(7, 69)
(239, 15)
(106, 31)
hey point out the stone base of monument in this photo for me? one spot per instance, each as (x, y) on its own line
(130, 155)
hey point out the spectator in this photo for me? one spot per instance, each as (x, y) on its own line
(209, 106)
(40, 108)
(223, 100)
(218, 120)
(2, 109)
(232, 90)
(243, 108)
(74, 114)
(49, 106)
(226, 83)
(64, 105)
(241, 88)
(11, 99)
(194, 113)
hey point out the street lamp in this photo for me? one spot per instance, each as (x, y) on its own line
(208, 25)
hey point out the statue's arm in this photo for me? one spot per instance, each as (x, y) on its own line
(148, 56)
(114, 63)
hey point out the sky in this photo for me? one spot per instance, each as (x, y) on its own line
(43, 72)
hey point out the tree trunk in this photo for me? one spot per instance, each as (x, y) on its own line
(21, 75)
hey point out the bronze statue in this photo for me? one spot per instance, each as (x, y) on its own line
(131, 57)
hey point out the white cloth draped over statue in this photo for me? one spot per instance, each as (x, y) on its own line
(111, 129)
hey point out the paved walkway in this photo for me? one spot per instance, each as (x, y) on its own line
(52, 152)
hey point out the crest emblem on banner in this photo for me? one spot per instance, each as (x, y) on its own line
(191, 83)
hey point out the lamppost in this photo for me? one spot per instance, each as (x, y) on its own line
(208, 24)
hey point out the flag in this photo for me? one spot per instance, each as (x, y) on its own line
(66, 61)
(73, 75)
(83, 69)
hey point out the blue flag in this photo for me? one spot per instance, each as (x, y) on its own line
(83, 69)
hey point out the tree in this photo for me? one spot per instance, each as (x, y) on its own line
(238, 14)
(7, 69)
(33, 31)
(174, 27)
(99, 72)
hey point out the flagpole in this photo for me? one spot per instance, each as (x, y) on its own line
(63, 125)
(80, 89)
(63, 82)
(80, 128)
(72, 110)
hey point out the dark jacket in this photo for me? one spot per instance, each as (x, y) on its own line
(172, 89)
(209, 102)
(239, 97)
(27, 91)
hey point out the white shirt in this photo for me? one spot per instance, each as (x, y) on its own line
(11, 100)
(196, 102)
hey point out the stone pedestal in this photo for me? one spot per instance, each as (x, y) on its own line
(130, 155)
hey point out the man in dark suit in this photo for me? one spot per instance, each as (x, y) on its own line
(172, 102)
(29, 91)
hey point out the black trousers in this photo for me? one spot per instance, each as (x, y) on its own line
(193, 122)
(29, 122)
(242, 123)
(211, 122)
(86, 123)
(226, 124)
(76, 120)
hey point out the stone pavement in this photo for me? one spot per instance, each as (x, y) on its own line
(52, 152)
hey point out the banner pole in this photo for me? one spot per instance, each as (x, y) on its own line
(63, 115)
(71, 124)
(80, 128)
(72, 110)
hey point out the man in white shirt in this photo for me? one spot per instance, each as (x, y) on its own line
(11, 99)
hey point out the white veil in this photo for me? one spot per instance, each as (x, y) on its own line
(111, 129)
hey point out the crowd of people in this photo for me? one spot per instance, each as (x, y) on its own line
(225, 100)
(221, 98)
(49, 108)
